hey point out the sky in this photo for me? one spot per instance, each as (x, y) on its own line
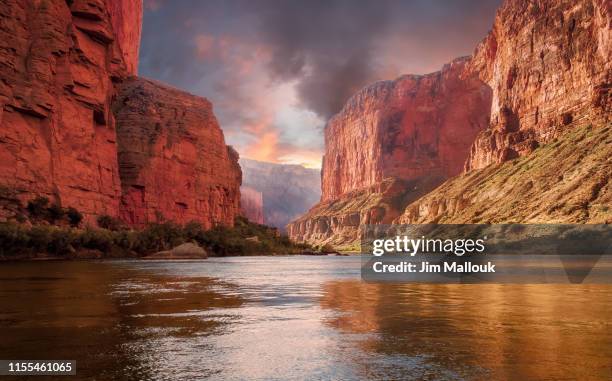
(277, 70)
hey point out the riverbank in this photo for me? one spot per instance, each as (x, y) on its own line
(48, 242)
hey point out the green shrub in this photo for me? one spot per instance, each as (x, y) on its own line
(97, 239)
(55, 213)
(107, 222)
(38, 207)
(74, 217)
(245, 238)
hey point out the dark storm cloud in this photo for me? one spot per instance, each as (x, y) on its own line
(332, 48)
(237, 52)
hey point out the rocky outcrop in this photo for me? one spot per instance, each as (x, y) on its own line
(251, 204)
(549, 64)
(564, 181)
(391, 143)
(173, 160)
(187, 250)
(160, 155)
(57, 133)
(338, 222)
(413, 126)
(126, 17)
(288, 190)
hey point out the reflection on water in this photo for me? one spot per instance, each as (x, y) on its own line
(296, 318)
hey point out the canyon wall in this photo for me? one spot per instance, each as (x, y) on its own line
(251, 204)
(549, 64)
(126, 17)
(57, 133)
(391, 143)
(76, 128)
(288, 190)
(173, 160)
(414, 126)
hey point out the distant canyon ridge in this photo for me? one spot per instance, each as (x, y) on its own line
(518, 132)
(276, 194)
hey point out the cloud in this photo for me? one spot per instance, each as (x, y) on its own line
(257, 59)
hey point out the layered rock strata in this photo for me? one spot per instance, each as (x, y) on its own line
(391, 143)
(57, 133)
(549, 64)
(173, 160)
(163, 156)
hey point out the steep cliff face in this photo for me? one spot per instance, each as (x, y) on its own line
(57, 134)
(288, 190)
(173, 160)
(251, 204)
(405, 129)
(549, 64)
(126, 17)
(415, 132)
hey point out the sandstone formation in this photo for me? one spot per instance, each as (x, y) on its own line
(414, 126)
(57, 134)
(163, 156)
(251, 204)
(173, 160)
(391, 143)
(549, 65)
(126, 17)
(288, 190)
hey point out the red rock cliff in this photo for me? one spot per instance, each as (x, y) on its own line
(549, 64)
(417, 125)
(174, 163)
(415, 132)
(126, 17)
(251, 204)
(57, 134)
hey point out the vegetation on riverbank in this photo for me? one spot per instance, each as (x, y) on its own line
(20, 241)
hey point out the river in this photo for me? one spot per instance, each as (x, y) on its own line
(277, 318)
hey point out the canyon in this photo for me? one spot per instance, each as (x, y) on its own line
(542, 155)
(287, 190)
(393, 142)
(77, 127)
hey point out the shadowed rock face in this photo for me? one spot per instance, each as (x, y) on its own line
(173, 160)
(288, 190)
(57, 132)
(549, 64)
(391, 143)
(251, 204)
